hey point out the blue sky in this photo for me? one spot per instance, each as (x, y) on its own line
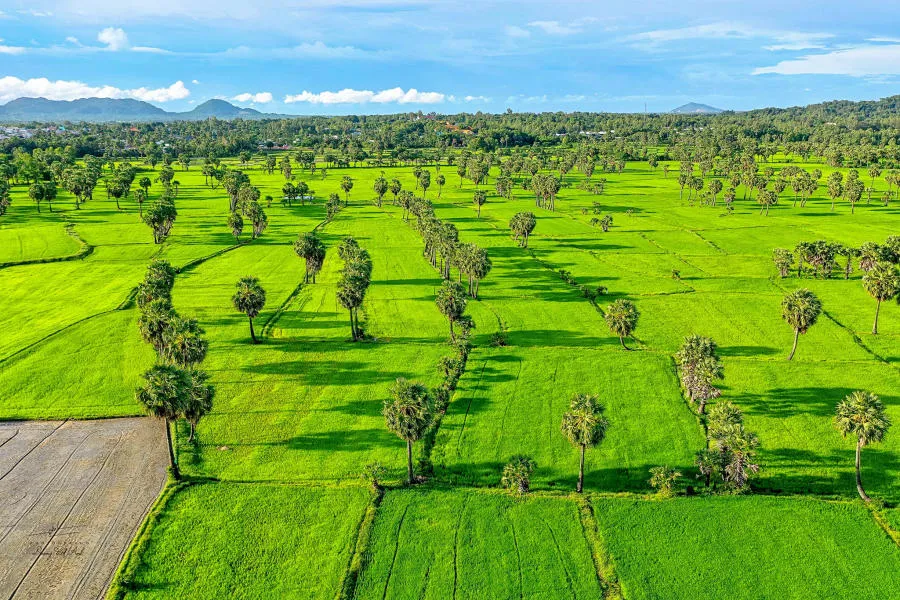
(374, 56)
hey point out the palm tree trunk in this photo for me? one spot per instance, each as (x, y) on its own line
(794, 349)
(409, 466)
(875, 325)
(452, 333)
(252, 333)
(622, 341)
(191, 437)
(174, 465)
(859, 485)
(581, 472)
(352, 326)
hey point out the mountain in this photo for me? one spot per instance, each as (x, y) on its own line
(693, 108)
(97, 110)
(220, 109)
(84, 109)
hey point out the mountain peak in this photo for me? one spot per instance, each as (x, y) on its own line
(695, 108)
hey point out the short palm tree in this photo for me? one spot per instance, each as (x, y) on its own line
(249, 299)
(863, 416)
(584, 425)
(621, 317)
(883, 283)
(801, 309)
(164, 395)
(408, 414)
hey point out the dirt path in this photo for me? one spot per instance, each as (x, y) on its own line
(72, 495)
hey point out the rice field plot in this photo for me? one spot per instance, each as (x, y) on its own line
(791, 407)
(471, 544)
(88, 370)
(221, 540)
(511, 401)
(752, 547)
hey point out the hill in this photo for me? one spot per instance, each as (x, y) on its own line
(694, 108)
(117, 109)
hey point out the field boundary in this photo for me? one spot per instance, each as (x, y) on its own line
(84, 251)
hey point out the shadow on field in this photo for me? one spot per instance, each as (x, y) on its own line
(736, 351)
(788, 402)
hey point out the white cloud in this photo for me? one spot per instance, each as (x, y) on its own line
(784, 40)
(13, 87)
(351, 96)
(195, 82)
(861, 61)
(11, 49)
(317, 49)
(73, 40)
(114, 38)
(554, 28)
(557, 28)
(35, 13)
(517, 32)
(258, 98)
(884, 39)
(477, 99)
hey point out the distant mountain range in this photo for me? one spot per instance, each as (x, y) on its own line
(112, 109)
(693, 108)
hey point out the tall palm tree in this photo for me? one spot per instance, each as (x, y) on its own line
(164, 395)
(862, 415)
(883, 283)
(801, 309)
(249, 299)
(621, 317)
(584, 425)
(408, 414)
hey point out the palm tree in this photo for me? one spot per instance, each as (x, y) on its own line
(164, 395)
(249, 299)
(183, 343)
(883, 283)
(584, 425)
(310, 248)
(621, 317)
(862, 415)
(479, 199)
(346, 185)
(451, 301)
(408, 414)
(801, 310)
(517, 474)
(199, 400)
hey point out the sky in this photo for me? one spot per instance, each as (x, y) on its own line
(382, 56)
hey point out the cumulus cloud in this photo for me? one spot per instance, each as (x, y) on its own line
(257, 98)
(477, 99)
(11, 49)
(351, 96)
(13, 87)
(114, 38)
(861, 61)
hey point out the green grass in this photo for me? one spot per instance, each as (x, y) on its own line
(752, 547)
(221, 540)
(469, 544)
(304, 405)
(511, 401)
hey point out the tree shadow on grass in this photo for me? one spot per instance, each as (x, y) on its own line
(789, 402)
(745, 351)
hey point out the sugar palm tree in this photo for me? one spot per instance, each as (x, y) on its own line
(621, 317)
(249, 299)
(164, 395)
(584, 425)
(862, 415)
(883, 283)
(199, 400)
(801, 309)
(408, 414)
(451, 301)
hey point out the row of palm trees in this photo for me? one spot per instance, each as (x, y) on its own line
(174, 387)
